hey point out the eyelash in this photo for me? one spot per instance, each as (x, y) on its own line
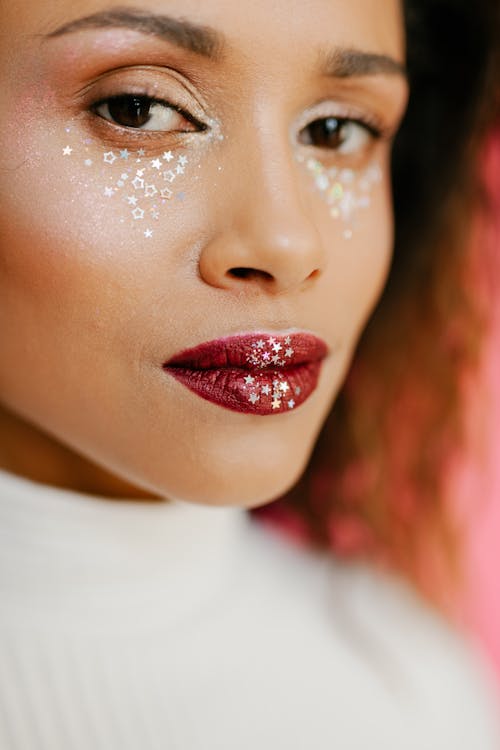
(374, 131)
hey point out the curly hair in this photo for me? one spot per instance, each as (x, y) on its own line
(376, 483)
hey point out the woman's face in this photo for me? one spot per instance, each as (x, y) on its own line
(176, 173)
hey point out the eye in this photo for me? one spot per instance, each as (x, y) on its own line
(144, 113)
(342, 135)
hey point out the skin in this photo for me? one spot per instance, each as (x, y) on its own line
(89, 310)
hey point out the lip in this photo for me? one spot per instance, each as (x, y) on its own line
(257, 373)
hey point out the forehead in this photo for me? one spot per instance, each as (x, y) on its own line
(281, 29)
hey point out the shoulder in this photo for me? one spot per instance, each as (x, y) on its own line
(434, 673)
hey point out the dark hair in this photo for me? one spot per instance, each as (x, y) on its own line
(376, 483)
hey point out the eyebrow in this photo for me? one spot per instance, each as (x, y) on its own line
(209, 43)
(349, 63)
(201, 40)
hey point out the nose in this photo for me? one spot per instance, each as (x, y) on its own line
(266, 238)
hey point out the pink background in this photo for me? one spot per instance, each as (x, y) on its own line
(478, 482)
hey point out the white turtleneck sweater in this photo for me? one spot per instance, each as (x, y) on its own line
(170, 626)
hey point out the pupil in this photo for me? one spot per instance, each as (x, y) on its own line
(130, 111)
(326, 132)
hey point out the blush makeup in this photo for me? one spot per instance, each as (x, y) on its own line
(256, 373)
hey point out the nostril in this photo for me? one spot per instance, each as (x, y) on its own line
(249, 273)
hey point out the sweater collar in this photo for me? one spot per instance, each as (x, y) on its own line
(90, 560)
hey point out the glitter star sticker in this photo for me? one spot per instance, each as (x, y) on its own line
(291, 404)
(67, 151)
(138, 213)
(253, 398)
(132, 200)
(182, 160)
(156, 164)
(148, 233)
(249, 380)
(276, 403)
(289, 352)
(266, 390)
(166, 193)
(124, 154)
(284, 387)
(108, 192)
(150, 191)
(169, 176)
(138, 183)
(109, 157)
(168, 156)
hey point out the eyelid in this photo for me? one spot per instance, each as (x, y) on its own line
(154, 99)
(340, 111)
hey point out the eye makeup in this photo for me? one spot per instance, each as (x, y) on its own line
(345, 191)
(141, 185)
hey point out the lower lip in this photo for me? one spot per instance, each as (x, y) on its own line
(259, 392)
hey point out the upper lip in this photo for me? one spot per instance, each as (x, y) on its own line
(246, 351)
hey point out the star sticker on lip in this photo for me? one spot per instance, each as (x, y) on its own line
(266, 390)
(253, 398)
(249, 380)
(276, 403)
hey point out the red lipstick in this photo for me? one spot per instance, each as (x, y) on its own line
(253, 374)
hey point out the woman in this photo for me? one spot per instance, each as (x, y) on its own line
(196, 226)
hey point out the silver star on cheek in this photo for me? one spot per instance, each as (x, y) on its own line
(138, 213)
(88, 162)
(67, 151)
(109, 157)
(124, 154)
(182, 160)
(140, 152)
(108, 192)
(253, 398)
(124, 176)
(150, 190)
(166, 193)
(140, 173)
(156, 164)
(132, 200)
(179, 169)
(148, 233)
(249, 380)
(168, 156)
(169, 176)
(138, 183)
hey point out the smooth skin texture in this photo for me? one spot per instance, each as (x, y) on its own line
(90, 310)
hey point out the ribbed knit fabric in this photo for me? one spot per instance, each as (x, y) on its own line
(139, 626)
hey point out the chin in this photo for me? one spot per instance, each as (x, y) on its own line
(246, 476)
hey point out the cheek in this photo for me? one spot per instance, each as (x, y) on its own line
(353, 210)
